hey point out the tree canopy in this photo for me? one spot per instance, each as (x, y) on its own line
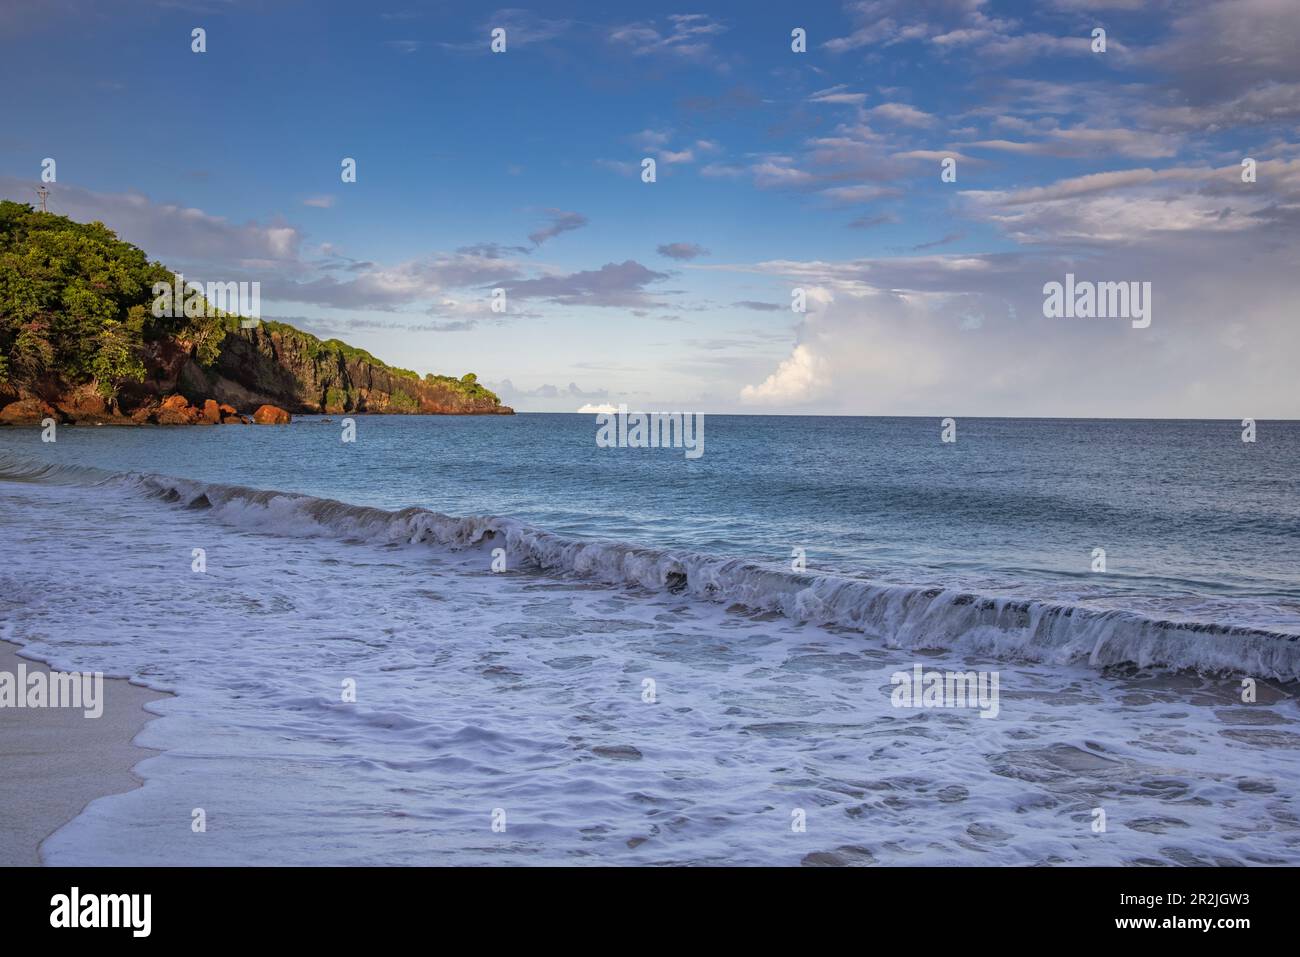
(76, 307)
(75, 302)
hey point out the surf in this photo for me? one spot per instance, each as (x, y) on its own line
(914, 617)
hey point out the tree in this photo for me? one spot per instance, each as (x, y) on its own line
(74, 302)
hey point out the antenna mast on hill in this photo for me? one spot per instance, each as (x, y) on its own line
(42, 192)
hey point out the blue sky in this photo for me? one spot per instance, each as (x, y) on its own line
(776, 170)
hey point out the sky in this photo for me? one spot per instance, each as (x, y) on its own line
(775, 171)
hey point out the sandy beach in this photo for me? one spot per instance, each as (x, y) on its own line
(56, 761)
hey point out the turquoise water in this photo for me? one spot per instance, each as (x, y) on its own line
(1194, 522)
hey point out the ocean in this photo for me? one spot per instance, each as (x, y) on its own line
(471, 640)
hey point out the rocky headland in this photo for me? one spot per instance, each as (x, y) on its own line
(80, 343)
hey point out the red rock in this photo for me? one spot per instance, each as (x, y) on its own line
(271, 415)
(227, 410)
(211, 411)
(26, 412)
(233, 420)
(84, 405)
(176, 410)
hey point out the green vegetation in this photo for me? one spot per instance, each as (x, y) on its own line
(74, 301)
(75, 304)
(400, 401)
(76, 308)
(467, 386)
(351, 353)
(325, 349)
(336, 400)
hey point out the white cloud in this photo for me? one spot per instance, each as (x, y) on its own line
(183, 235)
(1143, 205)
(1087, 141)
(838, 94)
(687, 36)
(965, 335)
(798, 379)
(902, 113)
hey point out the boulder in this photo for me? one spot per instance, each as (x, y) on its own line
(84, 405)
(271, 415)
(229, 416)
(176, 410)
(27, 412)
(145, 413)
(211, 411)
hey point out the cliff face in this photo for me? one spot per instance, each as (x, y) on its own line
(283, 366)
(82, 340)
(271, 365)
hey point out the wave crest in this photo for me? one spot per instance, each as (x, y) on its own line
(902, 616)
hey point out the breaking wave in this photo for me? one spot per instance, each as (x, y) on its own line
(904, 616)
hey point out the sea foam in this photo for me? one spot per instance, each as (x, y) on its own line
(902, 616)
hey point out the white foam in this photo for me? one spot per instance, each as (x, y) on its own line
(902, 615)
(524, 691)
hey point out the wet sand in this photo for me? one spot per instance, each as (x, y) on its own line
(55, 761)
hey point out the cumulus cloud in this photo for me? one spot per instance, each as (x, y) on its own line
(965, 334)
(801, 378)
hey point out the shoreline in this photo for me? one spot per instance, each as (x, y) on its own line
(32, 415)
(57, 761)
